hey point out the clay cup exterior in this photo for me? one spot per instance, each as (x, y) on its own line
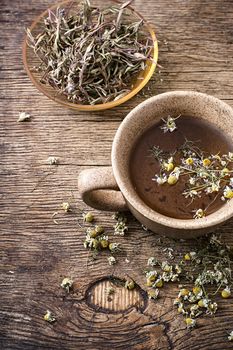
(110, 188)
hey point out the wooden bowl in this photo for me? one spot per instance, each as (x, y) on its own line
(30, 60)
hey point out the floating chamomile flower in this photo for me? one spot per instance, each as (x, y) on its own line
(228, 192)
(226, 293)
(206, 162)
(189, 161)
(169, 124)
(160, 179)
(199, 214)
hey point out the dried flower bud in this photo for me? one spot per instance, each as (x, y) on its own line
(88, 217)
(226, 293)
(129, 285)
(190, 322)
(67, 284)
(153, 293)
(111, 260)
(49, 317)
(65, 206)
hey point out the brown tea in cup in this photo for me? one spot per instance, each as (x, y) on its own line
(195, 150)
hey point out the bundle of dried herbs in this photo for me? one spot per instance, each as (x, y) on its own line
(93, 55)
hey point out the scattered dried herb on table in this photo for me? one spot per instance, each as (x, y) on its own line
(208, 271)
(93, 55)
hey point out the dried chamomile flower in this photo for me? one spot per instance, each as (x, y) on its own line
(166, 267)
(109, 291)
(199, 213)
(151, 275)
(120, 228)
(169, 124)
(49, 317)
(129, 284)
(52, 160)
(111, 260)
(99, 229)
(230, 336)
(187, 257)
(114, 247)
(152, 261)
(169, 165)
(203, 302)
(153, 293)
(91, 232)
(23, 116)
(172, 179)
(228, 192)
(158, 283)
(184, 292)
(181, 309)
(190, 322)
(104, 242)
(160, 179)
(177, 301)
(67, 284)
(65, 206)
(230, 156)
(198, 292)
(212, 308)
(206, 162)
(195, 311)
(226, 293)
(92, 243)
(190, 256)
(88, 217)
(178, 269)
(189, 161)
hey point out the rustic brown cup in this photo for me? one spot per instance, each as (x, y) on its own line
(110, 188)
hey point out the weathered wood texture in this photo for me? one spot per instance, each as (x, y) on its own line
(195, 51)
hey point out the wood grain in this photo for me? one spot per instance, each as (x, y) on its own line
(195, 52)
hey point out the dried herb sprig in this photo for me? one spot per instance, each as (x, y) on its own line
(92, 55)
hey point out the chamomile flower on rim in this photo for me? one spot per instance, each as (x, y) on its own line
(226, 293)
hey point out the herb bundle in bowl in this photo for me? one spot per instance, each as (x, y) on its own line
(90, 56)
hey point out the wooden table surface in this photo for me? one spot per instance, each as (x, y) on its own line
(195, 52)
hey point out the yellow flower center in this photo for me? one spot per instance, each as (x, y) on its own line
(189, 161)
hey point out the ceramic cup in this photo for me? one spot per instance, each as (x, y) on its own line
(110, 188)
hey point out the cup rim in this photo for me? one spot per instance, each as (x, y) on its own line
(219, 216)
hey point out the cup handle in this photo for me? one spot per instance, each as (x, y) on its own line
(99, 190)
